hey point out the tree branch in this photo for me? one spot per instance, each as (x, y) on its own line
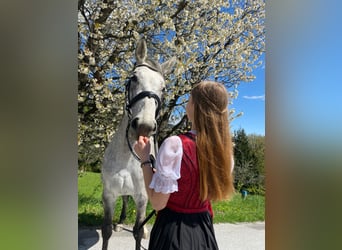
(181, 7)
(105, 12)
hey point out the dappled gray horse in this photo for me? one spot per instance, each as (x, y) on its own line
(121, 172)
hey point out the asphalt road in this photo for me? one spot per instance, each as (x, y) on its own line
(241, 236)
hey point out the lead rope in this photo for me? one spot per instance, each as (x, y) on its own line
(129, 144)
(153, 160)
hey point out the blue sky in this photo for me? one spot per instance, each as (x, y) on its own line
(251, 101)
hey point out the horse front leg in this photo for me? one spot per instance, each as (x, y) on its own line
(118, 227)
(138, 231)
(124, 209)
(108, 201)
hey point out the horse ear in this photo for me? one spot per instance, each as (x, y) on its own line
(168, 66)
(141, 51)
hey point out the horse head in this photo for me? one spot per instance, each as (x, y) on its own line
(144, 91)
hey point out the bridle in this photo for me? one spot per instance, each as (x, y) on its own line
(131, 101)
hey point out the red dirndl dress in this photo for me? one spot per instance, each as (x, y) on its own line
(186, 222)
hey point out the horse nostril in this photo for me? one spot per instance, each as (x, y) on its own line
(134, 123)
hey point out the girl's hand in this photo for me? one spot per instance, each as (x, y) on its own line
(143, 148)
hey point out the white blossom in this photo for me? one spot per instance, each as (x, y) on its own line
(208, 44)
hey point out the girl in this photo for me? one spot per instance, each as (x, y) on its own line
(193, 169)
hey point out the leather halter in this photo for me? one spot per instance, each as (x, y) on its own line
(141, 95)
(135, 99)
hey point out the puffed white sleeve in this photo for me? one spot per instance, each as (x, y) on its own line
(168, 165)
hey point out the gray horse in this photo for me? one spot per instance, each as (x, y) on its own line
(121, 172)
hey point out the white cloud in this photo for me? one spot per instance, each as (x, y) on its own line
(255, 97)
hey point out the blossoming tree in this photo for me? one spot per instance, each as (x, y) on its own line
(212, 39)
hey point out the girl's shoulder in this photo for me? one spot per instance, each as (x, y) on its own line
(188, 135)
(172, 143)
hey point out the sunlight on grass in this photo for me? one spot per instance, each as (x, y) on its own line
(250, 209)
(90, 211)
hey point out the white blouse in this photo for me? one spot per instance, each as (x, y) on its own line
(168, 165)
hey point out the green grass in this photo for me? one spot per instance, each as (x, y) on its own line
(90, 211)
(250, 209)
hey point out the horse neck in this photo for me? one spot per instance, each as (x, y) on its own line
(124, 120)
(123, 127)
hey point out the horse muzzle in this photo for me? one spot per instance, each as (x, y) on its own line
(143, 128)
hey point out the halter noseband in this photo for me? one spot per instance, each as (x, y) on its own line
(141, 96)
